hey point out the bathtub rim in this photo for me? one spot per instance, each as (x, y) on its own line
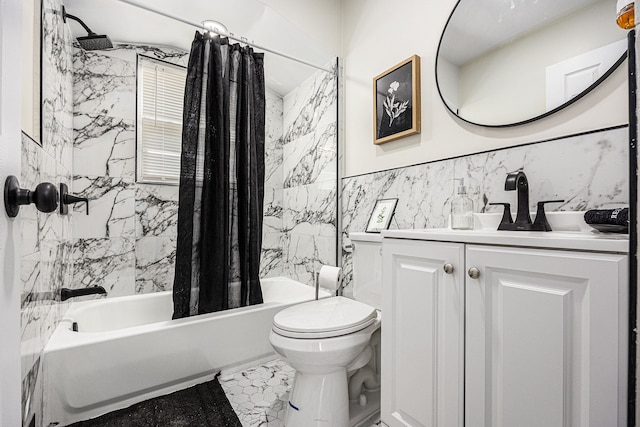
(64, 337)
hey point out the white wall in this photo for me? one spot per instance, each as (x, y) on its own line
(378, 34)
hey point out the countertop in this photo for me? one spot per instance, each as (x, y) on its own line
(591, 241)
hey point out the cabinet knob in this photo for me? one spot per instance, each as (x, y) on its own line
(474, 273)
(448, 268)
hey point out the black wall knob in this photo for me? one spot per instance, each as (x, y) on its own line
(45, 196)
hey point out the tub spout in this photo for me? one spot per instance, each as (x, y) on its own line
(66, 293)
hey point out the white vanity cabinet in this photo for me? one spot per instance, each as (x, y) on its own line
(513, 336)
(422, 334)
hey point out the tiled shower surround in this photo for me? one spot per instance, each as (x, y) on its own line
(128, 242)
(587, 171)
(46, 238)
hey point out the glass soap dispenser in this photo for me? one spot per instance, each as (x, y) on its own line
(462, 209)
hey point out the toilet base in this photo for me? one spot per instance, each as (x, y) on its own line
(319, 400)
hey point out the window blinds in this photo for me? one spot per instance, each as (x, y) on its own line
(160, 100)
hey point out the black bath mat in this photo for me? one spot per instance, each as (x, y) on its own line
(203, 405)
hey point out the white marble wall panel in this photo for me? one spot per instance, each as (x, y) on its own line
(124, 215)
(273, 118)
(46, 238)
(311, 158)
(155, 258)
(111, 208)
(310, 177)
(56, 84)
(305, 255)
(104, 83)
(311, 105)
(272, 227)
(273, 164)
(272, 214)
(107, 262)
(310, 210)
(588, 171)
(104, 146)
(156, 210)
(272, 255)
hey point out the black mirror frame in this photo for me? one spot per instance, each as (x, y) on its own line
(535, 118)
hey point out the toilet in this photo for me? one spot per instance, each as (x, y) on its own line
(334, 346)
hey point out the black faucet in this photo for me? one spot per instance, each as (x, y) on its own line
(66, 293)
(518, 181)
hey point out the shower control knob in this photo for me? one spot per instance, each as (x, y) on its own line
(448, 268)
(474, 273)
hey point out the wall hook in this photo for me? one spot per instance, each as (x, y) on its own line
(45, 196)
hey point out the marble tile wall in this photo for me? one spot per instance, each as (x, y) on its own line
(127, 243)
(588, 171)
(310, 177)
(46, 238)
(271, 264)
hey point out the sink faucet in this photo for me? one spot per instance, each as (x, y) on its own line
(518, 181)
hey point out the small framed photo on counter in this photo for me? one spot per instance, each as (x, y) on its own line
(381, 216)
(396, 101)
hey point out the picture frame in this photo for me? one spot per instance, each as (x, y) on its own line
(396, 101)
(381, 215)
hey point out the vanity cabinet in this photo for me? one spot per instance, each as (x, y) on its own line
(506, 336)
(422, 334)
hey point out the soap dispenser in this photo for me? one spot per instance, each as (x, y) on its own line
(462, 209)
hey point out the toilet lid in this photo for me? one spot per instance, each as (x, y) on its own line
(324, 318)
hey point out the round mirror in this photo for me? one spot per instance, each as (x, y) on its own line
(509, 62)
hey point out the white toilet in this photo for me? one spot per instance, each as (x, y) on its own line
(333, 344)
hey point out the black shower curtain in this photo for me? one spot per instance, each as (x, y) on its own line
(221, 179)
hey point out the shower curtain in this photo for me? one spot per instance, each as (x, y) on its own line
(221, 179)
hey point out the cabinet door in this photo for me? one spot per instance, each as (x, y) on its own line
(546, 338)
(422, 334)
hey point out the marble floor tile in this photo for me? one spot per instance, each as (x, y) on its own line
(259, 394)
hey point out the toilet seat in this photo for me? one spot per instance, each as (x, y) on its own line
(324, 318)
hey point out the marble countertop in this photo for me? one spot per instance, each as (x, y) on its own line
(572, 234)
(572, 240)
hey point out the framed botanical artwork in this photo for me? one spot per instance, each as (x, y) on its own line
(396, 101)
(381, 216)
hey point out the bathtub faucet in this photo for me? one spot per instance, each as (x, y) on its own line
(66, 293)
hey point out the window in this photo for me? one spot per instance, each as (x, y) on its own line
(159, 120)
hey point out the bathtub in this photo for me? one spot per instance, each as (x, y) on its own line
(127, 349)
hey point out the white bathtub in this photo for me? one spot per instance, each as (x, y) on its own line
(127, 349)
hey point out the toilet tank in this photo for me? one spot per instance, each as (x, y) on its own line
(367, 268)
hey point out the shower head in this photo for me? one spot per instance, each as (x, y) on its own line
(95, 42)
(91, 41)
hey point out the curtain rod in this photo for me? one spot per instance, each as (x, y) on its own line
(198, 25)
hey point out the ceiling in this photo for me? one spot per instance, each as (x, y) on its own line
(252, 19)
